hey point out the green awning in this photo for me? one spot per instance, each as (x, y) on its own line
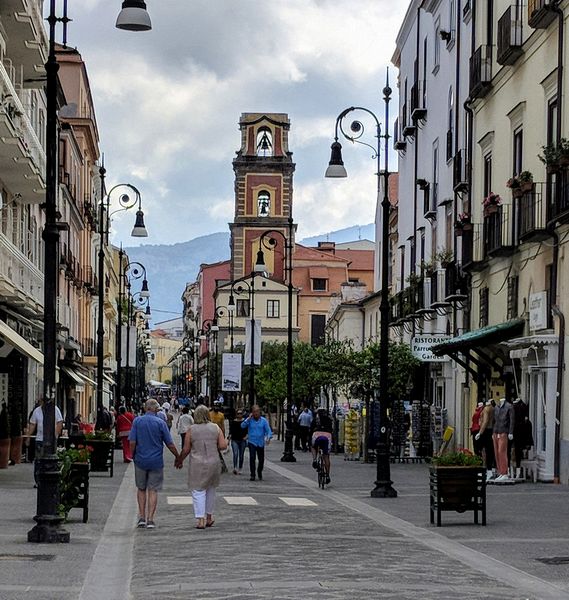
(493, 334)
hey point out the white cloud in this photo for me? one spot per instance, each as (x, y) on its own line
(168, 101)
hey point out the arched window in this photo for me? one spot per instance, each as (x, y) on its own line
(263, 204)
(264, 142)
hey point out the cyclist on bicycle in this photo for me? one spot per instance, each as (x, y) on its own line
(322, 439)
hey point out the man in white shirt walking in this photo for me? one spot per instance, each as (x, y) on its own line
(304, 423)
(36, 426)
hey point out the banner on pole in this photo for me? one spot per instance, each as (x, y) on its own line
(128, 356)
(257, 341)
(231, 372)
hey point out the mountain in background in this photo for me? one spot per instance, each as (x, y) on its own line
(169, 267)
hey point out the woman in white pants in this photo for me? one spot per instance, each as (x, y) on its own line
(203, 442)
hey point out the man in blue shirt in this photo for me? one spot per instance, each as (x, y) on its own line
(258, 430)
(147, 436)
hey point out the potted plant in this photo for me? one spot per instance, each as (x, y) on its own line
(74, 480)
(428, 267)
(101, 458)
(555, 156)
(457, 483)
(413, 279)
(520, 184)
(491, 204)
(445, 256)
(4, 437)
(16, 436)
(463, 223)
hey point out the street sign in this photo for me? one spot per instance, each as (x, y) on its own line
(421, 347)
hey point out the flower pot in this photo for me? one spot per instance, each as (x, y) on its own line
(552, 168)
(517, 192)
(490, 210)
(458, 231)
(16, 450)
(467, 227)
(101, 458)
(527, 186)
(564, 160)
(4, 453)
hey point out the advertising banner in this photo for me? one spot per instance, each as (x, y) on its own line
(231, 372)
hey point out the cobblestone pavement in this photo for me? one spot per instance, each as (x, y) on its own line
(336, 548)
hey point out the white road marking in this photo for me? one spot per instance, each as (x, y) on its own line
(180, 500)
(240, 500)
(298, 501)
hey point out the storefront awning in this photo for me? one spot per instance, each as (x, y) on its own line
(493, 334)
(16, 340)
(86, 378)
(73, 375)
(109, 379)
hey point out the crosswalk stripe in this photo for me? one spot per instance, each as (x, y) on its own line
(240, 500)
(298, 501)
(178, 500)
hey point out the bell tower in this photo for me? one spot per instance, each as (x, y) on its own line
(263, 191)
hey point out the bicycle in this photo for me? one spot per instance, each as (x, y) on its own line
(321, 470)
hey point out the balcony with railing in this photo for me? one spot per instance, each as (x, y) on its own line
(438, 289)
(531, 214)
(21, 282)
(430, 198)
(418, 102)
(472, 248)
(25, 29)
(89, 347)
(407, 129)
(459, 172)
(90, 280)
(22, 157)
(398, 142)
(558, 197)
(498, 232)
(481, 71)
(541, 13)
(455, 284)
(510, 38)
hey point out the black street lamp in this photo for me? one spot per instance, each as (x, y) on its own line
(48, 527)
(126, 202)
(383, 485)
(270, 243)
(220, 312)
(208, 331)
(128, 273)
(240, 288)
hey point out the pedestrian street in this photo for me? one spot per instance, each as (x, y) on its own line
(283, 538)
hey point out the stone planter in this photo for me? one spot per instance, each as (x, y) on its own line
(457, 489)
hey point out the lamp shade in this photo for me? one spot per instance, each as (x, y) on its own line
(144, 292)
(260, 266)
(214, 326)
(139, 230)
(134, 16)
(147, 315)
(231, 304)
(336, 165)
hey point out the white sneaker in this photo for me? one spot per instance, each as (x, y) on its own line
(502, 479)
(489, 475)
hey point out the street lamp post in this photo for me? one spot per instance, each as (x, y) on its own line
(209, 330)
(383, 485)
(220, 312)
(270, 242)
(126, 202)
(239, 288)
(132, 271)
(48, 528)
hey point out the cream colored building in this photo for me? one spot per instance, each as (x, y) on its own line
(516, 253)
(162, 349)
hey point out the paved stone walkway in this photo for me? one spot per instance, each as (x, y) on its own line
(337, 548)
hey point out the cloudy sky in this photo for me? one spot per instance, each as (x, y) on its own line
(168, 101)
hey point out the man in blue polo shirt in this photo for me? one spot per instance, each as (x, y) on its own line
(258, 430)
(147, 437)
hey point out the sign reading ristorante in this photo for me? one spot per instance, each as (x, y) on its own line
(421, 347)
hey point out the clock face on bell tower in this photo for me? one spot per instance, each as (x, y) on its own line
(263, 191)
